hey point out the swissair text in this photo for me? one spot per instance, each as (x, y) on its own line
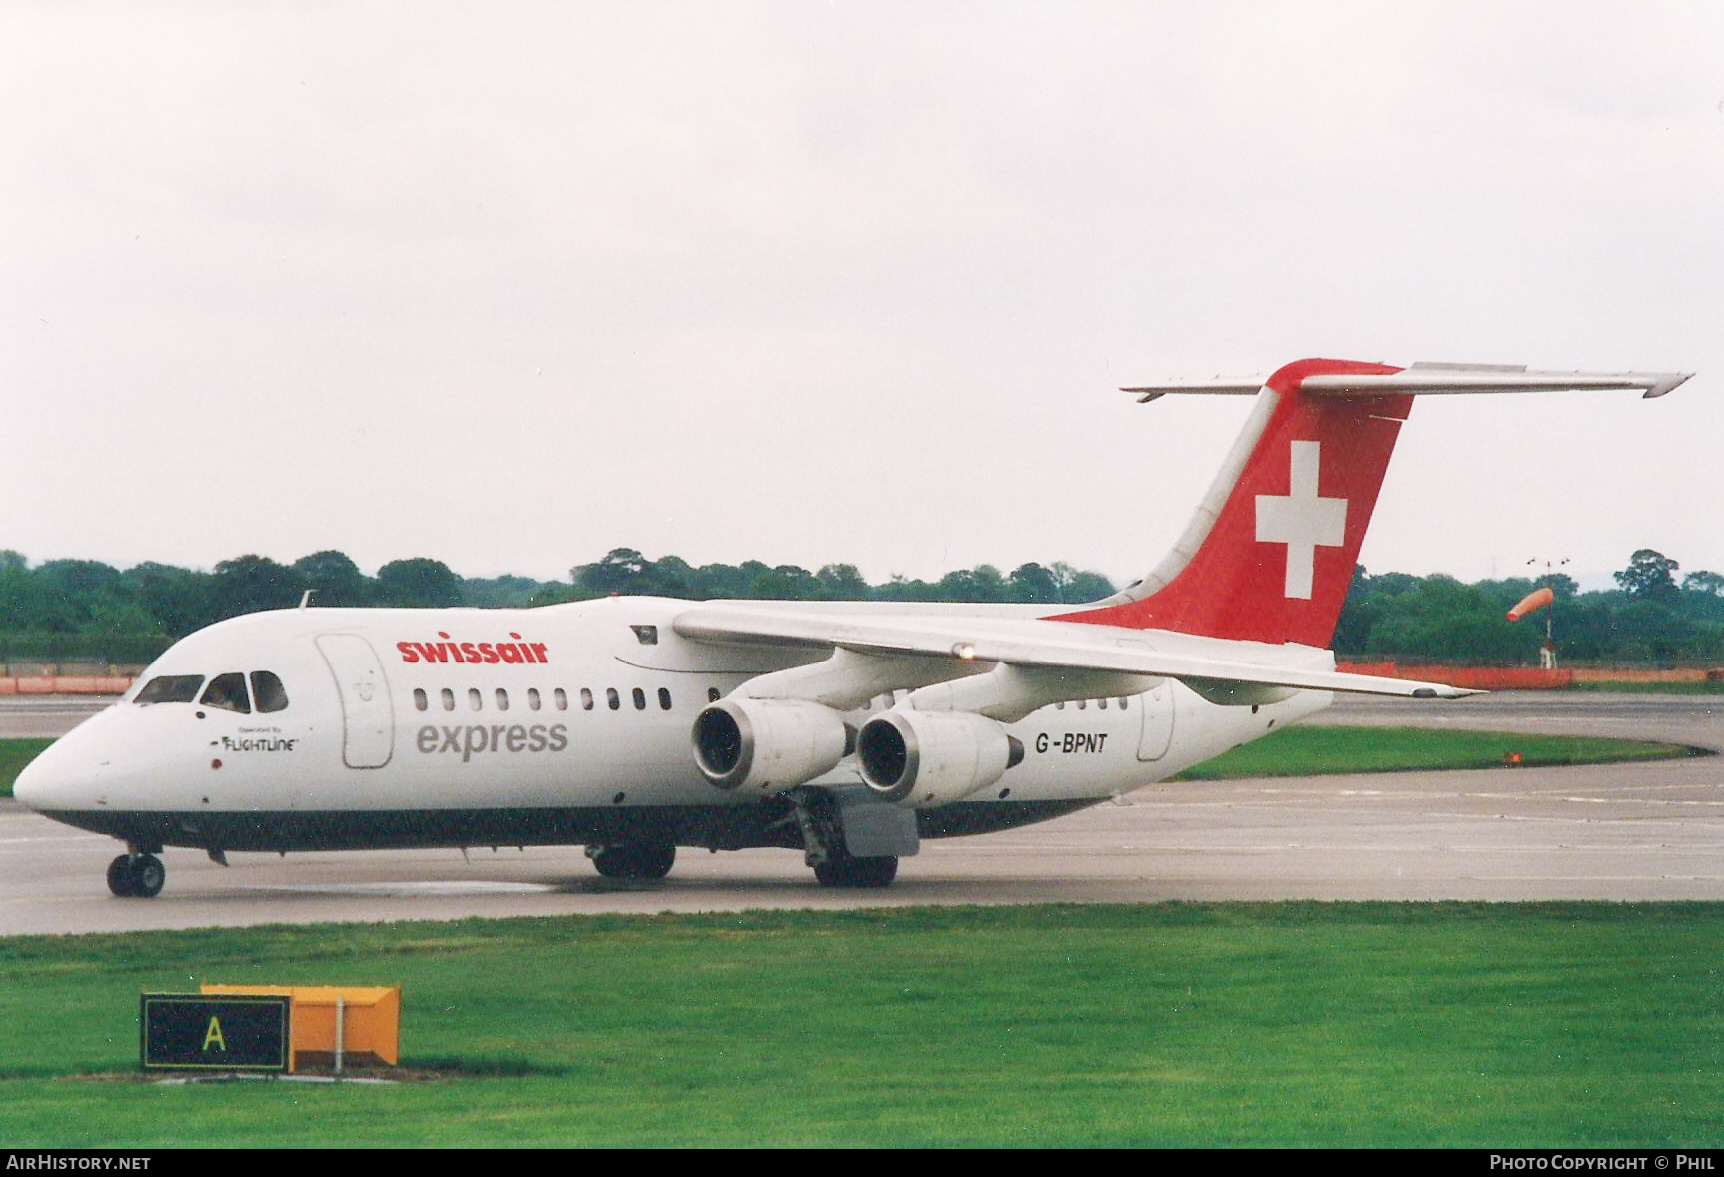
(478, 652)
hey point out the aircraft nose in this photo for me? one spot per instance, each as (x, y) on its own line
(32, 787)
(43, 784)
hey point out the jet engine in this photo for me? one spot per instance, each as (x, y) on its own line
(928, 758)
(767, 745)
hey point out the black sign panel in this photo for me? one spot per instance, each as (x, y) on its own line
(191, 1032)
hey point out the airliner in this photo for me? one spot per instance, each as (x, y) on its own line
(633, 726)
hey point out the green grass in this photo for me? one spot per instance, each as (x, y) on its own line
(1297, 751)
(1206, 1024)
(1304, 751)
(14, 755)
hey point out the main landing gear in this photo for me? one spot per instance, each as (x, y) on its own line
(842, 870)
(650, 859)
(824, 846)
(136, 876)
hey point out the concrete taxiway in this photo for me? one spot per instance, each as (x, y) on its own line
(1643, 831)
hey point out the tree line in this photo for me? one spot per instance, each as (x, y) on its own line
(64, 609)
(1649, 618)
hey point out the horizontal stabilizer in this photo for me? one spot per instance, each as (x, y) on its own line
(1248, 386)
(1427, 378)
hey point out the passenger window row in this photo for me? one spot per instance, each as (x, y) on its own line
(559, 699)
(226, 691)
(536, 700)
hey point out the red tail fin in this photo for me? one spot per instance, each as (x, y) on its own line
(1270, 554)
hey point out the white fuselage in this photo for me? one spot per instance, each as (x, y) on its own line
(562, 724)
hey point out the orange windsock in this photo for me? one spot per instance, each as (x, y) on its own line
(1532, 603)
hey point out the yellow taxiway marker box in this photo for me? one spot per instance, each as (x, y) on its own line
(370, 1024)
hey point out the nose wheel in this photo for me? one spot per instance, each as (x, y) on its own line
(136, 876)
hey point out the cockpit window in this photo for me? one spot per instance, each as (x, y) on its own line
(266, 688)
(227, 691)
(170, 688)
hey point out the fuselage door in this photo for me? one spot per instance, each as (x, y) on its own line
(1157, 709)
(366, 711)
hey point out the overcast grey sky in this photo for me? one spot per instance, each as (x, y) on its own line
(510, 285)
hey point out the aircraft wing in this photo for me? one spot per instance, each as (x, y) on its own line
(1029, 643)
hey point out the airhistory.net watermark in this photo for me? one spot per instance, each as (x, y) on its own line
(52, 1162)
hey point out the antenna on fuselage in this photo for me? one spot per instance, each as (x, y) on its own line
(305, 601)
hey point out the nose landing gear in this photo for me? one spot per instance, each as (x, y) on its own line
(137, 876)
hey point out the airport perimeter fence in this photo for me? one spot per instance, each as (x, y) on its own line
(1533, 678)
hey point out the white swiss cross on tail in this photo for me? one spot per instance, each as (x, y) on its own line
(1302, 520)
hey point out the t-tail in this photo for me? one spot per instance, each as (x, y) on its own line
(1270, 552)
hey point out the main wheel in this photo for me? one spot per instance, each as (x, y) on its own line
(845, 871)
(636, 860)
